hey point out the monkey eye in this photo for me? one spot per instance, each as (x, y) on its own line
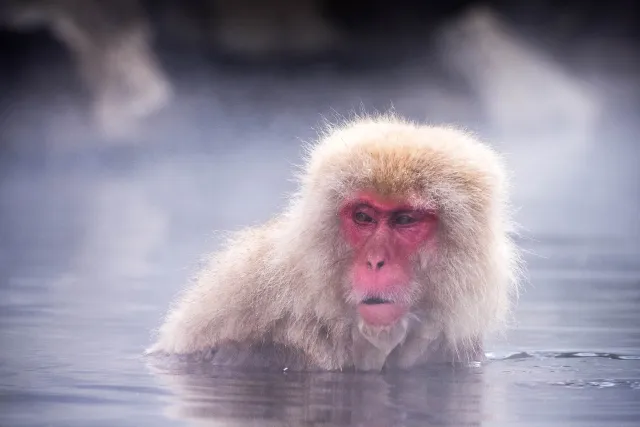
(404, 219)
(362, 218)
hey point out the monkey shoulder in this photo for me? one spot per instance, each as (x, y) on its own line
(235, 298)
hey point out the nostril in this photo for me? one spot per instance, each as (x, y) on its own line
(379, 265)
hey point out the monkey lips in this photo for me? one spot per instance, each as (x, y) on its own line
(377, 311)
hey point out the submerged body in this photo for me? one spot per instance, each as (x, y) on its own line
(394, 253)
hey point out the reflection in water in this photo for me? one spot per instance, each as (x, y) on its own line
(499, 391)
(215, 397)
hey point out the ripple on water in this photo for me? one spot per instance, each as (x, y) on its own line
(541, 355)
(600, 383)
(582, 384)
(626, 382)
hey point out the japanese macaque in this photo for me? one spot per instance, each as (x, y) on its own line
(394, 253)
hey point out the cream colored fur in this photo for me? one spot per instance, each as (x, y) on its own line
(285, 284)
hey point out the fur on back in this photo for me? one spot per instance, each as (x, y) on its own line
(284, 283)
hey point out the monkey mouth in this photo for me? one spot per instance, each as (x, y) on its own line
(378, 311)
(375, 301)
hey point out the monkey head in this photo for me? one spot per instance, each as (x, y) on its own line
(417, 219)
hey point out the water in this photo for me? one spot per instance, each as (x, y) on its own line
(94, 243)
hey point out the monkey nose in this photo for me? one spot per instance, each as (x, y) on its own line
(378, 264)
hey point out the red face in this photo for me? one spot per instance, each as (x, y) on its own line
(385, 234)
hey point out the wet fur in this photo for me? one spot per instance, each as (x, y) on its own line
(283, 285)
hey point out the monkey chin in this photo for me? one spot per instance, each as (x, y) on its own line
(381, 314)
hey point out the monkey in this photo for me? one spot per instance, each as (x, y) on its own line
(395, 252)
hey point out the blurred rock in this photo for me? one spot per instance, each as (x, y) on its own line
(110, 42)
(523, 91)
(260, 27)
